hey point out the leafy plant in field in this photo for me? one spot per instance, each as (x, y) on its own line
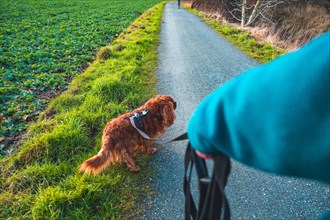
(46, 43)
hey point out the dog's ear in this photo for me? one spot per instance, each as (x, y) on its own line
(160, 111)
(171, 101)
(168, 113)
(168, 99)
(174, 104)
(171, 104)
(162, 108)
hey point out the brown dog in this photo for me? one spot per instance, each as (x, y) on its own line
(120, 138)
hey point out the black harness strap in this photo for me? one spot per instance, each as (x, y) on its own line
(138, 118)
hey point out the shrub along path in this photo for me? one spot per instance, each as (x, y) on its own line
(194, 60)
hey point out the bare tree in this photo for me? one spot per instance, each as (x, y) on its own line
(246, 12)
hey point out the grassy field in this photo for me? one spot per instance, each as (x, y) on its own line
(41, 180)
(46, 43)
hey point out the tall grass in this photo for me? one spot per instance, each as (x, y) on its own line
(41, 180)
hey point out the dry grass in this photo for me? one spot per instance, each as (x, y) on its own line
(293, 24)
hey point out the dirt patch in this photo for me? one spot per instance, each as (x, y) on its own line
(11, 143)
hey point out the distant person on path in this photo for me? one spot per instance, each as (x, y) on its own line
(179, 2)
(274, 117)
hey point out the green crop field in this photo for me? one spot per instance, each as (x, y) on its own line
(46, 43)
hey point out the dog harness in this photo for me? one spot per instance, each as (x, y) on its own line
(137, 116)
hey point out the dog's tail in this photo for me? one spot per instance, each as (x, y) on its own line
(97, 163)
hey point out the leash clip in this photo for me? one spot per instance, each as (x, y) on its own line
(144, 112)
(140, 114)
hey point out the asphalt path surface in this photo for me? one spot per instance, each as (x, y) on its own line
(193, 61)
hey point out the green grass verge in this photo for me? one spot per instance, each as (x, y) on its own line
(262, 52)
(46, 43)
(41, 180)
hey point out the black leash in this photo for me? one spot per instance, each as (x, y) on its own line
(213, 203)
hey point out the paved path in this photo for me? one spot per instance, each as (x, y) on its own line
(194, 60)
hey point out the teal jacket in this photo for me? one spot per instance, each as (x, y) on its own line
(275, 117)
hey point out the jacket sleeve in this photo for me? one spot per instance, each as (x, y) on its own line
(275, 117)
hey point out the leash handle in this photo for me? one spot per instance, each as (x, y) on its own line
(213, 203)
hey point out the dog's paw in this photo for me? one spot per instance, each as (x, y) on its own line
(134, 169)
(152, 150)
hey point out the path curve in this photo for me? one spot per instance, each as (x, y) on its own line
(194, 60)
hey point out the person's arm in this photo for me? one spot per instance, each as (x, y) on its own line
(275, 117)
